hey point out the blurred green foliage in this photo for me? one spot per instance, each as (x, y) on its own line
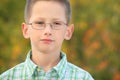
(95, 45)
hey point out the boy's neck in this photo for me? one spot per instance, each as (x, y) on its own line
(46, 60)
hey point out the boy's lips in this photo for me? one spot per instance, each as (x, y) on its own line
(47, 40)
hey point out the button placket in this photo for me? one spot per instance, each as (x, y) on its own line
(38, 69)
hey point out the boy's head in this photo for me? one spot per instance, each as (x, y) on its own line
(30, 3)
(46, 24)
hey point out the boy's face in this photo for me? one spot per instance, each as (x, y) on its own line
(48, 39)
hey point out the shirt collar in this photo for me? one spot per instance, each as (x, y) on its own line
(60, 67)
(30, 66)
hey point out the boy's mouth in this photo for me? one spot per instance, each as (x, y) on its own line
(48, 41)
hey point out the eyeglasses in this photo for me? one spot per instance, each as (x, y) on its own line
(42, 25)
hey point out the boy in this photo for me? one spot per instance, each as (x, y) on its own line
(46, 25)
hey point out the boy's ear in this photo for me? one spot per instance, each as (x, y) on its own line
(70, 30)
(25, 30)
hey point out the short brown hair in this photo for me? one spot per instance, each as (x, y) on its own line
(30, 3)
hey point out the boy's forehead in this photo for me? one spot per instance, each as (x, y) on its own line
(44, 3)
(47, 9)
(63, 3)
(51, 1)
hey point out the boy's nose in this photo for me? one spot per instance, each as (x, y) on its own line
(48, 30)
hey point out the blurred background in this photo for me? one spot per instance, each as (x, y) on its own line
(95, 45)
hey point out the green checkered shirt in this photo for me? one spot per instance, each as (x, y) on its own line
(30, 71)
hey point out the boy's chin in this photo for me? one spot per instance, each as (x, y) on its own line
(46, 51)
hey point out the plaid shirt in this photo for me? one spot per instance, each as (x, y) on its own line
(30, 71)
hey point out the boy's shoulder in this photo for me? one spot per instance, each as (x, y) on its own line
(9, 73)
(78, 72)
(75, 68)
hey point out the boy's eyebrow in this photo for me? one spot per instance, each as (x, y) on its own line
(39, 18)
(56, 19)
(52, 19)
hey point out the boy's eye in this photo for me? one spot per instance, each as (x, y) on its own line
(39, 22)
(57, 23)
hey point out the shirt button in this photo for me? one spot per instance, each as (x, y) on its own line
(38, 69)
